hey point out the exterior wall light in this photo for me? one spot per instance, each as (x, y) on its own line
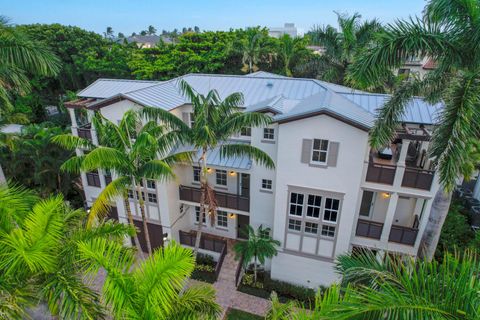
(231, 215)
(232, 173)
(165, 236)
(209, 170)
(385, 195)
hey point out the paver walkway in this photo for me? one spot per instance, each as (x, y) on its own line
(227, 294)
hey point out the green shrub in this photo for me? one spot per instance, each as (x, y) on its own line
(204, 276)
(234, 314)
(205, 259)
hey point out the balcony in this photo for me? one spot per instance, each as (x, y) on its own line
(381, 173)
(404, 235)
(85, 132)
(224, 200)
(369, 229)
(417, 178)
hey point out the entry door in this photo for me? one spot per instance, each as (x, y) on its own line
(366, 207)
(245, 185)
(242, 222)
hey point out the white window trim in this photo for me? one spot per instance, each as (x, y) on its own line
(299, 220)
(193, 175)
(268, 139)
(226, 179)
(219, 226)
(195, 217)
(320, 212)
(190, 119)
(247, 137)
(325, 208)
(266, 189)
(290, 203)
(326, 151)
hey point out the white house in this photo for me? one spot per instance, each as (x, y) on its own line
(329, 193)
(288, 28)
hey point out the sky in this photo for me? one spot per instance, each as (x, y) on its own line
(129, 16)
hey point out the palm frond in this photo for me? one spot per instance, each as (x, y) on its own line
(238, 150)
(71, 142)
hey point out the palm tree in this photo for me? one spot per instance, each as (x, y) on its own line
(21, 57)
(258, 246)
(251, 46)
(447, 33)
(392, 289)
(290, 49)
(40, 262)
(341, 46)
(155, 288)
(132, 157)
(216, 121)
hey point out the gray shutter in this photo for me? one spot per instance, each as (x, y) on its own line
(332, 154)
(306, 150)
(186, 118)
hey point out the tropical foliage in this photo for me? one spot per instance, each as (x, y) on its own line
(215, 122)
(40, 262)
(412, 289)
(258, 247)
(132, 152)
(341, 46)
(155, 288)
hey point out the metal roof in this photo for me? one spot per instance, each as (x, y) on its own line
(290, 97)
(105, 88)
(417, 110)
(214, 157)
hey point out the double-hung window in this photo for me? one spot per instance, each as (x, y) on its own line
(197, 216)
(319, 151)
(196, 174)
(152, 197)
(296, 204)
(313, 206)
(151, 184)
(295, 225)
(266, 184)
(330, 213)
(311, 227)
(268, 133)
(221, 177)
(328, 231)
(191, 119)
(222, 219)
(246, 132)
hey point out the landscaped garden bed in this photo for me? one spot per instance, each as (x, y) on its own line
(264, 287)
(205, 268)
(235, 314)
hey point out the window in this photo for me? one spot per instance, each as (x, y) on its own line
(296, 204)
(197, 216)
(313, 206)
(331, 210)
(295, 225)
(246, 132)
(151, 184)
(268, 133)
(320, 150)
(266, 184)
(130, 194)
(221, 177)
(196, 174)
(222, 219)
(328, 231)
(152, 197)
(311, 227)
(93, 179)
(191, 119)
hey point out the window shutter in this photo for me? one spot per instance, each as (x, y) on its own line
(186, 118)
(332, 154)
(306, 150)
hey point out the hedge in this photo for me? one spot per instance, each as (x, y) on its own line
(204, 268)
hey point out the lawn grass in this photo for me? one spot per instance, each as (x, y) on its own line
(234, 314)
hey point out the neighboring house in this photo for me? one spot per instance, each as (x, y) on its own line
(10, 129)
(288, 28)
(147, 41)
(329, 193)
(417, 66)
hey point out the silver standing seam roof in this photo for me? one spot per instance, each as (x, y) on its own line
(288, 98)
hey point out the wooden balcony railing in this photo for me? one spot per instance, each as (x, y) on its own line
(225, 200)
(417, 178)
(85, 131)
(369, 229)
(380, 173)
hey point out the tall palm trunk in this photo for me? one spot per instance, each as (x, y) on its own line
(203, 188)
(126, 203)
(438, 213)
(141, 203)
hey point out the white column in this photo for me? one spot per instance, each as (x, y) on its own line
(401, 164)
(90, 115)
(476, 189)
(73, 119)
(392, 207)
